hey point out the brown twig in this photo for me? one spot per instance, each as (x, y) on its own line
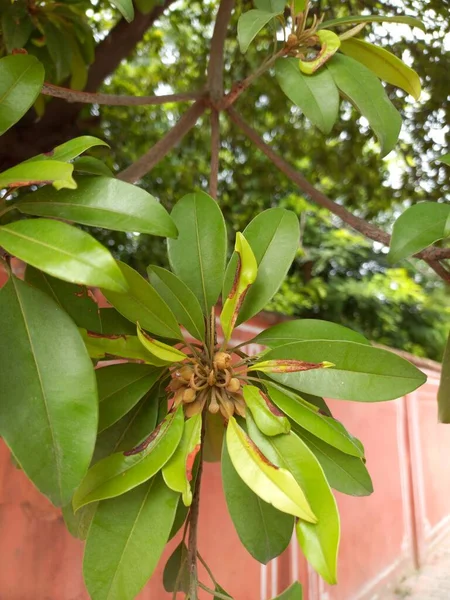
(439, 269)
(215, 148)
(367, 229)
(216, 57)
(146, 163)
(57, 91)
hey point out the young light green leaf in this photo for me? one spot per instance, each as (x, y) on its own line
(91, 166)
(159, 350)
(176, 572)
(250, 24)
(308, 416)
(125, 7)
(69, 150)
(411, 21)
(274, 238)
(47, 386)
(179, 298)
(274, 485)
(316, 95)
(384, 64)
(306, 329)
(444, 387)
(417, 228)
(64, 252)
(21, 79)
(361, 373)
(126, 540)
(102, 202)
(59, 174)
(245, 274)
(329, 45)
(198, 255)
(143, 304)
(365, 91)
(263, 530)
(120, 387)
(120, 472)
(268, 418)
(177, 472)
(346, 474)
(103, 346)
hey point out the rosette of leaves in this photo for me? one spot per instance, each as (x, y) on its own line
(183, 393)
(316, 66)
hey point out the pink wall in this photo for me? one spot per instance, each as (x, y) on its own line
(382, 535)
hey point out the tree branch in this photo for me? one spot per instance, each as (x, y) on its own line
(216, 57)
(215, 148)
(431, 255)
(57, 91)
(146, 163)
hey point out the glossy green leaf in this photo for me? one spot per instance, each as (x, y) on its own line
(143, 304)
(445, 158)
(179, 298)
(159, 350)
(176, 572)
(59, 174)
(245, 274)
(100, 346)
(76, 300)
(177, 472)
(112, 322)
(316, 95)
(120, 387)
(125, 7)
(345, 473)
(418, 227)
(16, 25)
(384, 64)
(274, 237)
(263, 530)
(120, 472)
(64, 252)
(69, 150)
(273, 485)
(250, 24)
(59, 48)
(198, 255)
(102, 202)
(329, 45)
(306, 329)
(126, 540)
(47, 387)
(272, 6)
(78, 524)
(21, 79)
(351, 20)
(364, 90)
(91, 166)
(444, 387)
(268, 418)
(361, 373)
(293, 592)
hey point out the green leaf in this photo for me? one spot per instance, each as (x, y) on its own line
(417, 228)
(21, 79)
(444, 387)
(143, 304)
(273, 485)
(263, 530)
(308, 416)
(126, 540)
(91, 166)
(16, 27)
(75, 299)
(101, 346)
(329, 45)
(78, 524)
(58, 47)
(112, 322)
(299, 6)
(59, 174)
(445, 158)
(411, 21)
(361, 373)
(145, 6)
(365, 91)
(293, 592)
(306, 329)
(63, 251)
(269, 420)
(69, 150)
(120, 387)
(176, 572)
(272, 6)
(250, 24)
(316, 95)
(384, 64)
(274, 238)
(346, 474)
(47, 387)
(125, 7)
(160, 351)
(120, 472)
(177, 472)
(102, 202)
(198, 255)
(179, 298)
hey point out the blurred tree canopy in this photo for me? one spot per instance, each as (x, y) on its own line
(338, 275)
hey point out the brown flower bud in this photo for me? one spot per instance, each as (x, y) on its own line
(234, 385)
(189, 395)
(222, 360)
(193, 408)
(174, 385)
(185, 373)
(292, 40)
(213, 405)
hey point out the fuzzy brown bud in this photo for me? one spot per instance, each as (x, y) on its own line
(234, 385)
(213, 406)
(185, 373)
(189, 395)
(222, 360)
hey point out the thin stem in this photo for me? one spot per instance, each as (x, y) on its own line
(216, 56)
(439, 269)
(213, 592)
(215, 148)
(208, 570)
